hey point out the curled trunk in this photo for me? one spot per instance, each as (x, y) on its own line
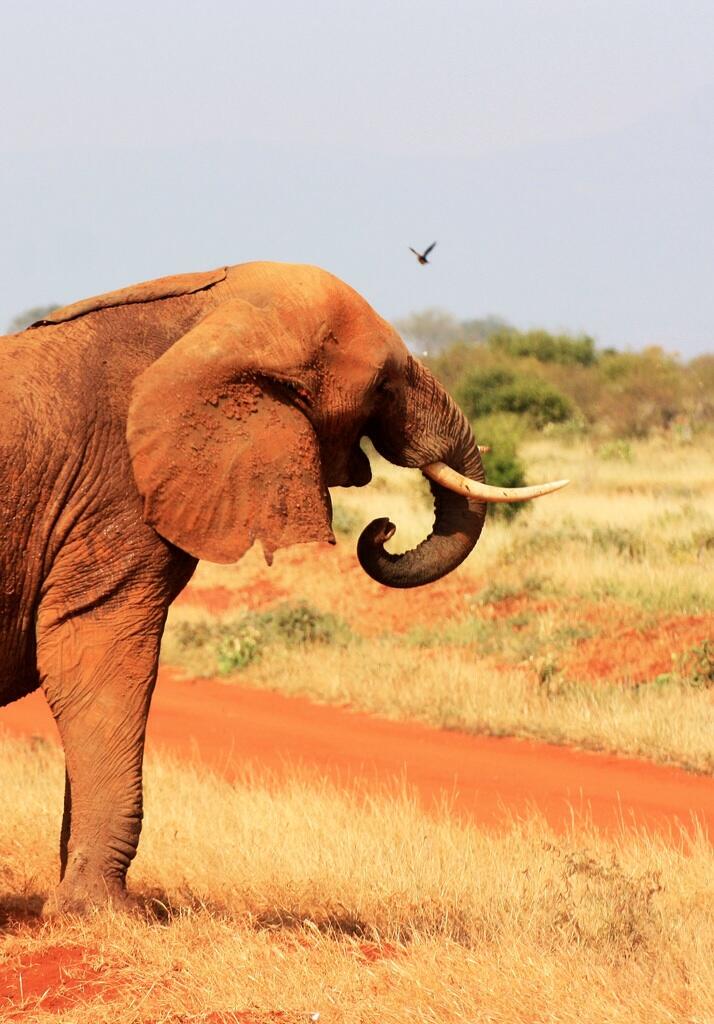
(426, 426)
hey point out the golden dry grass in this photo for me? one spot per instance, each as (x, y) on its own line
(659, 507)
(301, 898)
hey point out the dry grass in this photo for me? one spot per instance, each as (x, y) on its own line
(641, 530)
(301, 898)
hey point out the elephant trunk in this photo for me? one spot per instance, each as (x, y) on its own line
(427, 427)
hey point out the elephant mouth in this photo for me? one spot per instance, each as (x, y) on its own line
(359, 469)
(354, 471)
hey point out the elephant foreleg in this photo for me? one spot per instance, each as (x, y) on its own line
(98, 671)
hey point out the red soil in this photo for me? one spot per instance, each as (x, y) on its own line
(486, 779)
(371, 952)
(216, 600)
(332, 580)
(378, 610)
(59, 979)
(632, 655)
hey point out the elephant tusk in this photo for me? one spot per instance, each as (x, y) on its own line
(453, 481)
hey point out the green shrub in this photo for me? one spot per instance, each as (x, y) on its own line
(618, 538)
(503, 390)
(238, 647)
(238, 643)
(615, 451)
(297, 624)
(502, 432)
(545, 347)
(345, 520)
(234, 645)
(30, 316)
(500, 590)
(434, 330)
(697, 665)
(615, 394)
(640, 392)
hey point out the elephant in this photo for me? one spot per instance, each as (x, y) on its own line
(178, 419)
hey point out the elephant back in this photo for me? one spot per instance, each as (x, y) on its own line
(147, 291)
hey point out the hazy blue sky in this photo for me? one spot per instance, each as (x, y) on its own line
(560, 151)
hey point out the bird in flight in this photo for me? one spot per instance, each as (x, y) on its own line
(422, 256)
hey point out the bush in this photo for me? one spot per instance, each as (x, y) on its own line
(640, 392)
(236, 648)
(433, 330)
(697, 665)
(297, 624)
(29, 316)
(617, 395)
(627, 543)
(345, 520)
(615, 451)
(545, 347)
(502, 464)
(504, 390)
(234, 645)
(237, 644)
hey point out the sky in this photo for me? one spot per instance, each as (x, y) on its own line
(560, 152)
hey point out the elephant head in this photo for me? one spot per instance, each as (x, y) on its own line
(238, 430)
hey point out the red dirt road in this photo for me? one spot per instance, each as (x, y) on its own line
(487, 779)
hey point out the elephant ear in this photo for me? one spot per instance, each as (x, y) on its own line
(221, 445)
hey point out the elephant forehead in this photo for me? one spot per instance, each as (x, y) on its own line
(307, 297)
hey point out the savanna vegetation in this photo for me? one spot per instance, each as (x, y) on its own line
(587, 619)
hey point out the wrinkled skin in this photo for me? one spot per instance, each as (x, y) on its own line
(172, 421)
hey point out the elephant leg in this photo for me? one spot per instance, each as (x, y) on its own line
(98, 671)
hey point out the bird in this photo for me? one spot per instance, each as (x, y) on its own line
(422, 256)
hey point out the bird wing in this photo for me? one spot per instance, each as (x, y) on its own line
(427, 251)
(414, 251)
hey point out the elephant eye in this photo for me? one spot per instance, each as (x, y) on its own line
(295, 388)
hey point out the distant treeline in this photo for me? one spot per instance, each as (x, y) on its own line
(545, 379)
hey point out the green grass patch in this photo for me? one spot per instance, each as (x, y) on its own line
(224, 646)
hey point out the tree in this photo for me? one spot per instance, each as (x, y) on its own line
(29, 316)
(501, 389)
(545, 347)
(431, 331)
